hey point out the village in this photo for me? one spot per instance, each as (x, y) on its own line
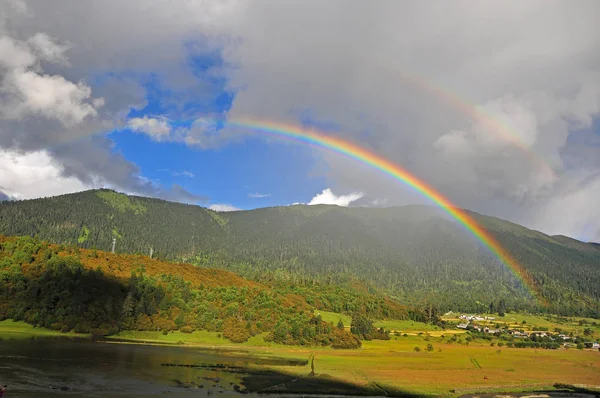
(535, 336)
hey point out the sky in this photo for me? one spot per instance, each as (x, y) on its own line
(494, 104)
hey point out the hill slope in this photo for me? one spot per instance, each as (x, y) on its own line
(415, 253)
(67, 288)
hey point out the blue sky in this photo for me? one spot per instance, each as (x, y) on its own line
(231, 174)
(248, 174)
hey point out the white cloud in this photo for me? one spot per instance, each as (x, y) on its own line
(157, 129)
(202, 134)
(185, 173)
(34, 174)
(47, 50)
(51, 96)
(571, 214)
(15, 54)
(327, 197)
(378, 202)
(25, 90)
(223, 207)
(259, 195)
(540, 123)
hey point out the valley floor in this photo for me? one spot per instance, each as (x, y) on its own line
(394, 367)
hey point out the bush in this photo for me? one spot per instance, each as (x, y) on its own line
(55, 326)
(103, 330)
(361, 325)
(429, 347)
(235, 330)
(165, 332)
(65, 329)
(82, 328)
(345, 340)
(417, 349)
(186, 329)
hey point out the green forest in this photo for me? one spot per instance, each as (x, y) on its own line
(415, 255)
(89, 291)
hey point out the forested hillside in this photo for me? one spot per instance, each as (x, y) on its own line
(89, 291)
(414, 253)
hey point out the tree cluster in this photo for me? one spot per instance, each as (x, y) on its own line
(67, 288)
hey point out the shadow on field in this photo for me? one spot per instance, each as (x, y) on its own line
(265, 381)
(269, 382)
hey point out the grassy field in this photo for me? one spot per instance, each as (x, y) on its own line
(406, 326)
(15, 330)
(199, 337)
(395, 366)
(334, 317)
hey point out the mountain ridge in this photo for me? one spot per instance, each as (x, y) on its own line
(413, 252)
(325, 206)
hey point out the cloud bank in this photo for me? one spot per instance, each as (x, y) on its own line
(34, 175)
(494, 104)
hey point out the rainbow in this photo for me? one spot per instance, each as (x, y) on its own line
(477, 113)
(362, 155)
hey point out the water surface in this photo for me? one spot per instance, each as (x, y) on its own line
(53, 367)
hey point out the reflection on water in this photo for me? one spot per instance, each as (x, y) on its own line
(60, 367)
(52, 367)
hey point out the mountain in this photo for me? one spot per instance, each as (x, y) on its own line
(416, 254)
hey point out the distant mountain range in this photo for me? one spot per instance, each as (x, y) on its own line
(414, 253)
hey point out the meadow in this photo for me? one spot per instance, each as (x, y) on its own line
(394, 366)
(10, 329)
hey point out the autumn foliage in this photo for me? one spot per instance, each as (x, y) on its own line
(88, 291)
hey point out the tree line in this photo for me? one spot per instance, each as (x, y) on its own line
(88, 291)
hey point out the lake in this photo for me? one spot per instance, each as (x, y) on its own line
(53, 367)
